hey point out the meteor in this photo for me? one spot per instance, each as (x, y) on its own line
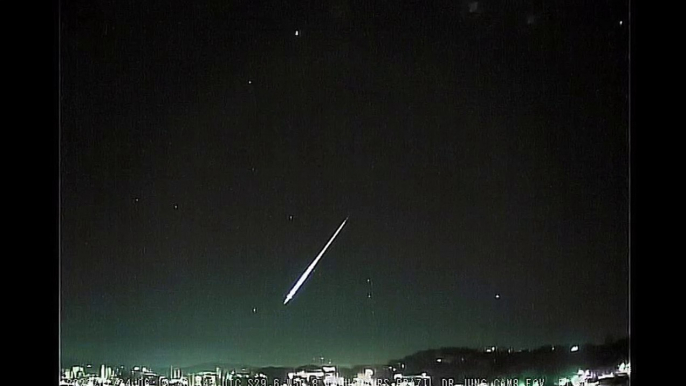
(309, 269)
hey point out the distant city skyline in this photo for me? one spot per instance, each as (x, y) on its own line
(558, 365)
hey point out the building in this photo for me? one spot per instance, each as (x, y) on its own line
(106, 372)
(78, 371)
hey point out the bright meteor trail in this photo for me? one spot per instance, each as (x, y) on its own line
(309, 269)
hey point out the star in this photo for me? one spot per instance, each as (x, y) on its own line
(290, 217)
(297, 33)
(176, 206)
(497, 296)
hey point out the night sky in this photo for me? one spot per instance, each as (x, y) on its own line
(208, 152)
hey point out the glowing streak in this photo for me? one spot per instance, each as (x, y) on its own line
(309, 269)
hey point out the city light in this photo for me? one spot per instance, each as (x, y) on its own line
(104, 375)
(429, 366)
(625, 368)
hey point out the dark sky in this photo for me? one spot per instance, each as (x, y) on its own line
(474, 156)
